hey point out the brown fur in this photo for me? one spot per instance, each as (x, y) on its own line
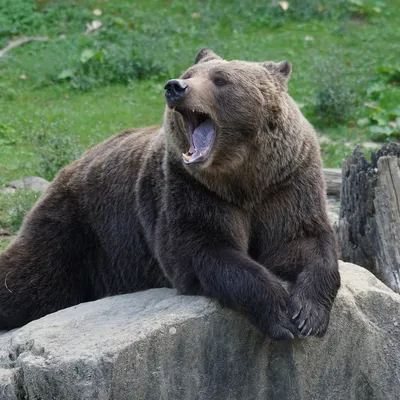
(130, 215)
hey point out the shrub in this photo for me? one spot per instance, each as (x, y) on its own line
(337, 92)
(101, 62)
(15, 16)
(54, 149)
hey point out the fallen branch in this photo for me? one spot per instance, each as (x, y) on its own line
(20, 42)
(93, 27)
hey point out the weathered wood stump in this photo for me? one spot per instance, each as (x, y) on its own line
(369, 225)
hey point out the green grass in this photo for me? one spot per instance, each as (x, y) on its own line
(145, 43)
(14, 206)
(4, 242)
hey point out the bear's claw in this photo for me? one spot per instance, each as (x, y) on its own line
(310, 317)
(279, 326)
(280, 333)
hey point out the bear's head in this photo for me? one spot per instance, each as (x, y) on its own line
(218, 112)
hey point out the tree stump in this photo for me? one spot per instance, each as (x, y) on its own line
(369, 225)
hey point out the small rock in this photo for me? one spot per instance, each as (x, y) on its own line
(371, 145)
(30, 182)
(284, 5)
(324, 139)
(172, 331)
(5, 190)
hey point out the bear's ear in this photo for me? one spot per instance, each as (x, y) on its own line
(205, 55)
(281, 69)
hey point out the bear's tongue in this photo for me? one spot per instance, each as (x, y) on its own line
(202, 141)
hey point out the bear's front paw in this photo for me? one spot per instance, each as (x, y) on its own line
(279, 326)
(274, 321)
(310, 316)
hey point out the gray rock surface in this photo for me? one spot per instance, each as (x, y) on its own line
(155, 345)
(30, 182)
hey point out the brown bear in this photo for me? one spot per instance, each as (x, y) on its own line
(226, 199)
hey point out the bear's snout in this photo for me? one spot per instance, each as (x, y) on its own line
(175, 90)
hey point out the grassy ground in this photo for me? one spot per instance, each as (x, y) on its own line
(60, 96)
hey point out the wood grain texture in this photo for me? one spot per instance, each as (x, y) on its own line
(369, 226)
(387, 209)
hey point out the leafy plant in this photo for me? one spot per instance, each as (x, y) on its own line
(383, 124)
(391, 73)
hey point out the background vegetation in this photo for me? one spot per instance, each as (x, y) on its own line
(61, 96)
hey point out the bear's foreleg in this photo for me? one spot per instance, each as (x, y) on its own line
(311, 264)
(236, 281)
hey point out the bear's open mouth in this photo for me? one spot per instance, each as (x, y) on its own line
(201, 135)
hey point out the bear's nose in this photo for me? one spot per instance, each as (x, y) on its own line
(175, 89)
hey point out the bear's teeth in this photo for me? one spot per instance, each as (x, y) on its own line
(186, 157)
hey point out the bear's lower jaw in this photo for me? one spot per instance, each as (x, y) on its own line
(201, 132)
(202, 140)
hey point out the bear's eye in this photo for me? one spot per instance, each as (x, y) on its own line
(186, 75)
(220, 81)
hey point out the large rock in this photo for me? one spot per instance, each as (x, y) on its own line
(30, 182)
(157, 345)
